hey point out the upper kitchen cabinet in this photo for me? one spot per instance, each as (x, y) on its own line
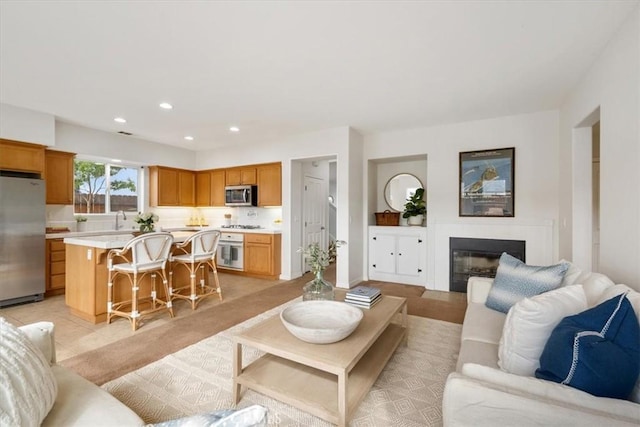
(269, 184)
(58, 174)
(21, 157)
(171, 187)
(186, 188)
(241, 176)
(217, 187)
(210, 187)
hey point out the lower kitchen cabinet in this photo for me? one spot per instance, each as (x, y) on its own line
(398, 254)
(262, 255)
(55, 267)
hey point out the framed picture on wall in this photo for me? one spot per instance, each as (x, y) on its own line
(487, 183)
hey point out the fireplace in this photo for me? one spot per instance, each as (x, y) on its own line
(478, 257)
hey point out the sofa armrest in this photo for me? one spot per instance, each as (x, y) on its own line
(42, 335)
(478, 289)
(470, 401)
(561, 394)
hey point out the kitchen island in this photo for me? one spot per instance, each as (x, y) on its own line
(87, 274)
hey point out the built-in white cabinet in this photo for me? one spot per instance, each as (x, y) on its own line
(398, 254)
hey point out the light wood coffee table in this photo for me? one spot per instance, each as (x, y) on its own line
(326, 380)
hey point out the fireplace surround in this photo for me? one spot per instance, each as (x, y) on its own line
(478, 257)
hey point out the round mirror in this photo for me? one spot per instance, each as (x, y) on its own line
(399, 188)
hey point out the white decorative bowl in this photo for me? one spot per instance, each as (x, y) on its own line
(321, 322)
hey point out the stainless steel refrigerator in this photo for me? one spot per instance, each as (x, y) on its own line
(22, 239)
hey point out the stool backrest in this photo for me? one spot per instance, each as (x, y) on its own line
(204, 243)
(150, 250)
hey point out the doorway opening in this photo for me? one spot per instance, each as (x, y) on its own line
(317, 205)
(586, 192)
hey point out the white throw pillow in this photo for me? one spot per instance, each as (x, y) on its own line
(529, 324)
(572, 274)
(28, 387)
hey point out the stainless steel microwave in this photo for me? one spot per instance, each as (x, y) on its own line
(241, 195)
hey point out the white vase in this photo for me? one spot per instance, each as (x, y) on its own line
(81, 226)
(415, 220)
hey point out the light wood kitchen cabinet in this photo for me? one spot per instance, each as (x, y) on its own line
(210, 187)
(21, 157)
(217, 187)
(186, 188)
(171, 187)
(241, 176)
(55, 267)
(269, 184)
(58, 174)
(262, 255)
(203, 188)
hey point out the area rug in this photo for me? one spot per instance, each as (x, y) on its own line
(199, 379)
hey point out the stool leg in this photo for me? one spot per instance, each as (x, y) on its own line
(134, 303)
(192, 276)
(214, 268)
(168, 302)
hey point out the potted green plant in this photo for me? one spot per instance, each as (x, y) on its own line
(415, 208)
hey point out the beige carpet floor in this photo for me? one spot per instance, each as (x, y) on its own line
(198, 379)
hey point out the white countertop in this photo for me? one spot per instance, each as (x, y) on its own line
(128, 232)
(118, 239)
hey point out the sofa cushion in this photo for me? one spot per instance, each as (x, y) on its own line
(481, 353)
(529, 324)
(27, 385)
(482, 324)
(82, 403)
(516, 280)
(590, 350)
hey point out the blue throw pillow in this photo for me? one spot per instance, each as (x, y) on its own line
(516, 280)
(597, 351)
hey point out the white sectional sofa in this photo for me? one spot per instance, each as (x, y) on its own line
(480, 393)
(27, 395)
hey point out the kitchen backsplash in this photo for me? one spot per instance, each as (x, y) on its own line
(62, 216)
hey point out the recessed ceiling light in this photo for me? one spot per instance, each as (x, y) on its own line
(166, 106)
(234, 129)
(189, 138)
(120, 120)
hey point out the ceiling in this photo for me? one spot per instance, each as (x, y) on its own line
(279, 68)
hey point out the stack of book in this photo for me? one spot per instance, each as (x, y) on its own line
(363, 296)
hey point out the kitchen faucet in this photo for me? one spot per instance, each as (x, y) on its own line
(124, 217)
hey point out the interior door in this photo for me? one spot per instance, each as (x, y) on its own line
(314, 212)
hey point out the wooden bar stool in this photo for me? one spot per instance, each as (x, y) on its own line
(142, 256)
(198, 252)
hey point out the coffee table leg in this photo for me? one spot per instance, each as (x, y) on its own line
(342, 399)
(237, 370)
(405, 324)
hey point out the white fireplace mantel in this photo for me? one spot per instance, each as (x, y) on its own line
(538, 235)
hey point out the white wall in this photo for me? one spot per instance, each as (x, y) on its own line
(328, 143)
(20, 124)
(613, 84)
(535, 138)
